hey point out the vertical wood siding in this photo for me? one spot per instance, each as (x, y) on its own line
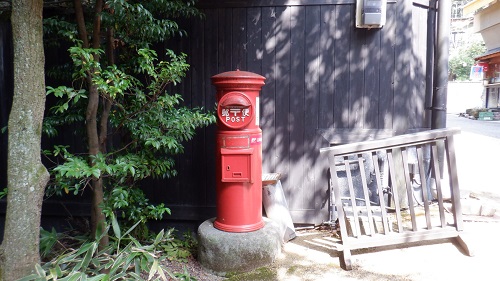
(321, 73)
(6, 93)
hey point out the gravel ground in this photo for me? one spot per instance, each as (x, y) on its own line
(193, 269)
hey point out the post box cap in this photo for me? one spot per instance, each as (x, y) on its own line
(238, 77)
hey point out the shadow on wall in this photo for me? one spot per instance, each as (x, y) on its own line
(324, 73)
(321, 73)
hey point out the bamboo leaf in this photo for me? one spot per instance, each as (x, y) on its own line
(154, 269)
(131, 228)
(162, 274)
(40, 271)
(88, 256)
(159, 237)
(116, 227)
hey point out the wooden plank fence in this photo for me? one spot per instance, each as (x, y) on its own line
(364, 223)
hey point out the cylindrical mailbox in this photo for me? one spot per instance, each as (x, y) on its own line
(239, 152)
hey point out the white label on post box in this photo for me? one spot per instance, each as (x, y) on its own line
(257, 111)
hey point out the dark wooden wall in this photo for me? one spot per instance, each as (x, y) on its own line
(6, 90)
(321, 74)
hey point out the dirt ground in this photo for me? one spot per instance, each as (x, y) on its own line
(312, 256)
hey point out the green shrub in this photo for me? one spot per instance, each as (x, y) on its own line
(475, 111)
(152, 123)
(125, 258)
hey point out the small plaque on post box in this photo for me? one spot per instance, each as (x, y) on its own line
(236, 164)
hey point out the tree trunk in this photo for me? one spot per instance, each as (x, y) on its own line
(97, 219)
(26, 175)
(94, 136)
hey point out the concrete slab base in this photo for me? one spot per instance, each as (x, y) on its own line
(232, 253)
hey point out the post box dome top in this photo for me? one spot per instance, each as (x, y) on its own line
(238, 77)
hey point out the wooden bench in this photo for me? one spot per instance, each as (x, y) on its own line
(364, 223)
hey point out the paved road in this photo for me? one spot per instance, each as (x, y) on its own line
(478, 154)
(484, 128)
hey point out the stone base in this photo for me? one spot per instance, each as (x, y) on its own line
(228, 252)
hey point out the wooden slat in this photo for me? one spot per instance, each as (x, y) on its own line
(338, 200)
(343, 16)
(392, 174)
(282, 124)
(313, 178)
(254, 40)
(270, 178)
(336, 136)
(436, 173)
(397, 141)
(211, 56)
(365, 193)
(399, 238)
(423, 184)
(357, 102)
(224, 46)
(380, 190)
(403, 66)
(371, 77)
(268, 98)
(387, 90)
(409, 188)
(297, 18)
(239, 38)
(455, 189)
(356, 230)
(327, 50)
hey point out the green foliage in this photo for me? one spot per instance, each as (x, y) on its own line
(475, 111)
(131, 205)
(184, 276)
(3, 193)
(179, 249)
(152, 125)
(53, 243)
(146, 124)
(59, 30)
(47, 241)
(153, 119)
(126, 258)
(462, 58)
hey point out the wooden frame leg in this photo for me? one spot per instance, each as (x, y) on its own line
(345, 259)
(459, 240)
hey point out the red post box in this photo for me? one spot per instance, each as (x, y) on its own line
(239, 152)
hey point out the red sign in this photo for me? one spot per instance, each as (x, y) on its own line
(235, 110)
